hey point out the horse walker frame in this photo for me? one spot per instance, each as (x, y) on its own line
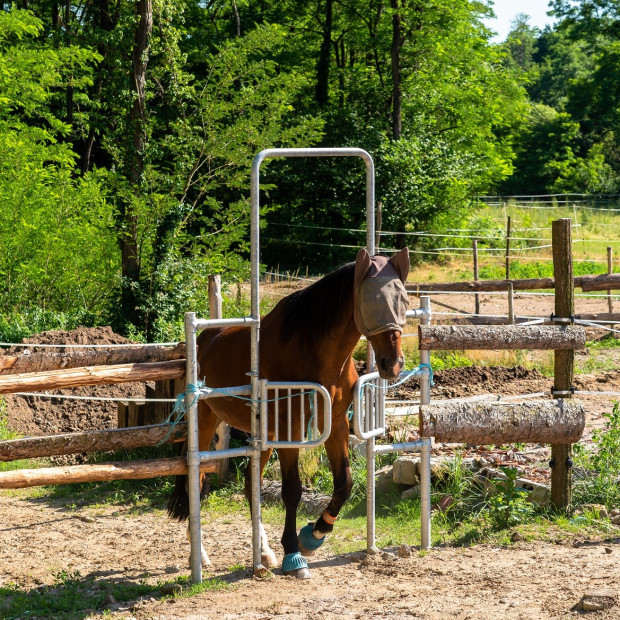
(258, 389)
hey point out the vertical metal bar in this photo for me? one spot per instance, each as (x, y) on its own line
(193, 449)
(276, 415)
(302, 396)
(264, 415)
(370, 496)
(255, 356)
(289, 416)
(476, 296)
(425, 452)
(315, 400)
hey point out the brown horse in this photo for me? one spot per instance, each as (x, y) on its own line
(309, 336)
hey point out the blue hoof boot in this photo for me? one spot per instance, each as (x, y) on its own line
(308, 544)
(295, 564)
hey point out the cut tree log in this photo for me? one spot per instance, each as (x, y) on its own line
(483, 423)
(497, 337)
(91, 375)
(40, 361)
(101, 472)
(90, 441)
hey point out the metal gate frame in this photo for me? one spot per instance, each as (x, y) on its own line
(369, 423)
(258, 441)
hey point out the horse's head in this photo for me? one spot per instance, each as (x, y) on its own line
(380, 306)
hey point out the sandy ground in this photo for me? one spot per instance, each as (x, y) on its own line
(40, 537)
(524, 580)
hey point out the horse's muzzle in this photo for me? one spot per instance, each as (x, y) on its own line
(390, 367)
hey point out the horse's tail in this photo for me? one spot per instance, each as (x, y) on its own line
(178, 504)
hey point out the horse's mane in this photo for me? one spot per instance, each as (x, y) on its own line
(312, 312)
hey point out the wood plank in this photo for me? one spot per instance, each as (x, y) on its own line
(100, 472)
(91, 375)
(90, 441)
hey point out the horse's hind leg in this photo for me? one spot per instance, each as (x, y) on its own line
(337, 448)
(268, 557)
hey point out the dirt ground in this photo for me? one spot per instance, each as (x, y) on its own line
(40, 537)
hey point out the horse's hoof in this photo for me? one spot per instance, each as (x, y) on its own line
(306, 541)
(296, 566)
(302, 573)
(268, 559)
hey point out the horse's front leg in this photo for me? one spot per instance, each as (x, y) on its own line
(267, 556)
(293, 563)
(311, 536)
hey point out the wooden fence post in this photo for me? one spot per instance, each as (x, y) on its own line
(476, 296)
(222, 432)
(561, 461)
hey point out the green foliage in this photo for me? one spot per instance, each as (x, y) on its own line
(597, 470)
(508, 505)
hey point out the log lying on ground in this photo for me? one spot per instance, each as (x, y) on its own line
(495, 337)
(586, 283)
(483, 422)
(42, 360)
(609, 317)
(90, 441)
(91, 375)
(101, 472)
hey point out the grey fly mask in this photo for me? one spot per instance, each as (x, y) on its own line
(380, 296)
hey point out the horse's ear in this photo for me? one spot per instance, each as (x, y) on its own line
(400, 262)
(362, 265)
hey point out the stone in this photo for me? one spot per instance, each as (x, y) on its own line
(616, 520)
(109, 600)
(598, 509)
(614, 512)
(608, 550)
(170, 570)
(171, 588)
(384, 479)
(404, 551)
(597, 600)
(411, 492)
(516, 537)
(405, 470)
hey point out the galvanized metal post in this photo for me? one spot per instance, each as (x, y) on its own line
(193, 449)
(425, 452)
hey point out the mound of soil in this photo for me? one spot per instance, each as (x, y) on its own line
(39, 415)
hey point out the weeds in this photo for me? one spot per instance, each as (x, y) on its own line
(597, 471)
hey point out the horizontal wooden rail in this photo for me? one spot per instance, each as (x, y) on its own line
(482, 423)
(498, 337)
(90, 441)
(101, 472)
(586, 283)
(43, 360)
(91, 375)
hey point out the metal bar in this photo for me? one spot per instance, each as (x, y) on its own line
(425, 453)
(229, 453)
(276, 416)
(371, 547)
(201, 324)
(239, 390)
(302, 414)
(193, 449)
(411, 446)
(289, 416)
(264, 415)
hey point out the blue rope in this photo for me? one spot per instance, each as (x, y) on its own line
(403, 380)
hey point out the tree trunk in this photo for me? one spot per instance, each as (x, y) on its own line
(501, 337)
(90, 441)
(102, 472)
(483, 423)
(91, 375)
(41, 361)
(397, 93)
(322, 68)
(135, 157)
